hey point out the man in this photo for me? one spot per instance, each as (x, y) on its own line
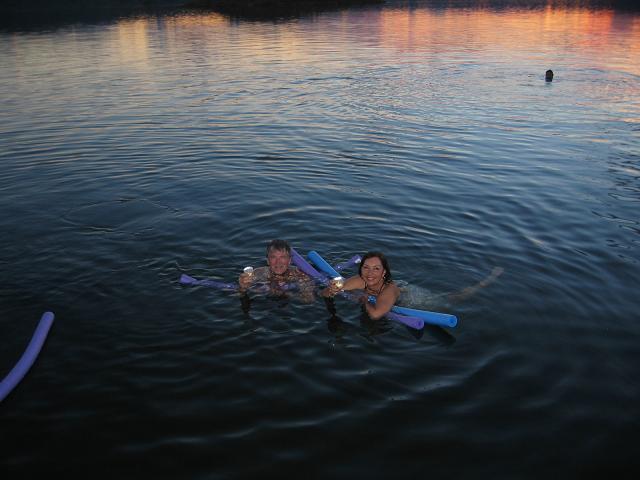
(279, 275)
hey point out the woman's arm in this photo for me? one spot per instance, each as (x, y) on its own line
(385, 301)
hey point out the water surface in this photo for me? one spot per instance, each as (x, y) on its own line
(142, 147)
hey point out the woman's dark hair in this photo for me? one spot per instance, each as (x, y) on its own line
(280, 245)
(383, 260)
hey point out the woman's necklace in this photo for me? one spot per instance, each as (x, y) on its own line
(372, 291)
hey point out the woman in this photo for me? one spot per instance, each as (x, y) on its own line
(374, 278)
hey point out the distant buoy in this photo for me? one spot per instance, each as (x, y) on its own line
(548, 76)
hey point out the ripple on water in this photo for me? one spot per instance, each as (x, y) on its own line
(132, 216)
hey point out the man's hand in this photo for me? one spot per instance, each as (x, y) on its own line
(245, 281)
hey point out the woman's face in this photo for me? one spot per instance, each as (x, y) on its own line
(372, 271)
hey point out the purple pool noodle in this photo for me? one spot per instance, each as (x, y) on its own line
(29, 356)
(413, 322)
(303, 265)
(187, 280)
(355, 260)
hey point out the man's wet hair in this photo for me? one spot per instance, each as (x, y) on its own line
(279, 245)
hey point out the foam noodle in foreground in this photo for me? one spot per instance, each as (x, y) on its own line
(28, 357)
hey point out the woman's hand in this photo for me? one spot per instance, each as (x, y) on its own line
(335, 286)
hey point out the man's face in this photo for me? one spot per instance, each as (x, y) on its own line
(278, 261)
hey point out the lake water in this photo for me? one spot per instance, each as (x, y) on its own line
(137, 148)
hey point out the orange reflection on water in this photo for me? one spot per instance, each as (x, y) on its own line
(512, 31)
(610, 38)
(131, 39)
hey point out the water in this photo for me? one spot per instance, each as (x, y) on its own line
(140, 147)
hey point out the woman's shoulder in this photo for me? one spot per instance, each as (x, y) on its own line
(394, 286)
(393, 289)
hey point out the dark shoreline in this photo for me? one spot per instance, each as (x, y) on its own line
(276, 8)
(247, 6)
(17, 15)
(269, 6)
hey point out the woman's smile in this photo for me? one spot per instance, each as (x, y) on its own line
(373, 271)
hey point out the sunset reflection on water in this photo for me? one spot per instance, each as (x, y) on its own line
(611, 37)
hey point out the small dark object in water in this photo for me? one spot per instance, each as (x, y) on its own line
(548, 76)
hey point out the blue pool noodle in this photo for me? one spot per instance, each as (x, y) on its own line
(29, 356)
(355, 260)
(322, 264)
(434, 318)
